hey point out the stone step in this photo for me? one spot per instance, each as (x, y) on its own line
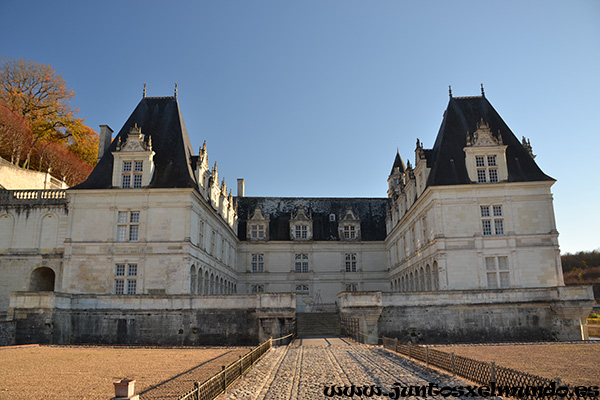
(314, 324)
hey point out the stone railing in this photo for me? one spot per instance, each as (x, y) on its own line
(32, 197)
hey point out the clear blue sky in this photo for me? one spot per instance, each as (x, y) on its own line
(310, 98)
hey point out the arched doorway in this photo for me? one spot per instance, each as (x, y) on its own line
(42, 280)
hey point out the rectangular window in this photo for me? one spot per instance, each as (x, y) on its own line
(487, 227)
(119, 286)
(349, 232)
(126, 166)
(257, 232)
(120, 270)
(491, 161)
(301, 263)
(131, 286)
(131, 269)
(301, 232)
(126, 182)
(481, 178)
(485, 211)
(128, 226)
(302, 289)
(499, 227)
(479, 161)
(257, 288)
(351, 287)
(350, 262)
(493, 224)
(258, 263)
(138, 166)
(137, 181)
(497, 211)
(493, 176)
(497, 272)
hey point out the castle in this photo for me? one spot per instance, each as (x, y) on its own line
(154, 248)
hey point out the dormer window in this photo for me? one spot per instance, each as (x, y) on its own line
(258, 226)
(485, 156)
(349, 226)
(301, 225)
(133, 161)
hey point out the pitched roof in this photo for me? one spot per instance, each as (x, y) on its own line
(371, 211)
(398, 163)
(448, 157)
(160, 119)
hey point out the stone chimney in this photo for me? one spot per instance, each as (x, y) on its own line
(105, 139)
(241, 189)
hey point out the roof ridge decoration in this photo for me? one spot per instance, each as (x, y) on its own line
(483, 136)
(135, 141)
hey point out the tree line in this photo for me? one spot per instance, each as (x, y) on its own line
(582, 268)
(39, 129)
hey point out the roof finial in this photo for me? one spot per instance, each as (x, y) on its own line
(144, 95)
(482, 91)
(175, 89)
(450, 90)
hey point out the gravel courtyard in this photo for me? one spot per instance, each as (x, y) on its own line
(53, 373)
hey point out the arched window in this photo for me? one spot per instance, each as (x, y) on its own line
(428, 277)
(42, 280)
(435, 276)
(193, 279)
(200, 286)
(421, 279)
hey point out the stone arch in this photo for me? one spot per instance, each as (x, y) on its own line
(193, 279)
(435, 276)
(206, 288)
(42, 280)
(421, 279)
(200, 283)
(411, 282)
(48, 232)
(427, 277)
(221, 287)
(212, 284)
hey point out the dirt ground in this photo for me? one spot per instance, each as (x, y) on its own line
(576, 364)
(51, 373)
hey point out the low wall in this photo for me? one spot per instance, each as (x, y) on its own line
(46, 317)
(471, 315)
(7, 333)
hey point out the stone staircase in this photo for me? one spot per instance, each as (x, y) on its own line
(318, 324)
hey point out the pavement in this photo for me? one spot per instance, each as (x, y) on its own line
(308, 367)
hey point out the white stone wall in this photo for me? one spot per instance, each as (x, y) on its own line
(454, 239)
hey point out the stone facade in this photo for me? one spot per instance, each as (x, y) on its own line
(153, 247)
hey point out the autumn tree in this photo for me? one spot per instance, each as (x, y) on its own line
(16, 137)
(40, 95)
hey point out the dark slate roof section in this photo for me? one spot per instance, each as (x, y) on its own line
(160, 118)
(448, 157)
(398, 163)
(371, 211)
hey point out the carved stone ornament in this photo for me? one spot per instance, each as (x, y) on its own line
(483, 136)
(135, 141)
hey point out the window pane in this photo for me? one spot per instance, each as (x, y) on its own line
(132, 270)
(499, 227)
(126, 184)
(121, 233)
(133, 233)
(493, 175)
(131, 286)
(137, 181)
(126, 166)
(503, 263)
(487, 227)
(491, 161)
(489, 264)
(135, 216)
(504, 280)
(485, 211)
(479, 161)
(481, 176)
(120, 270)
(497, 211)
(119, 286)
(122, 217)
(491, 280)
(139, 165)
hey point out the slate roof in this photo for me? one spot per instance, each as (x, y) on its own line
(371, 211)
(448, 157)
(398, 163)
(160, 119)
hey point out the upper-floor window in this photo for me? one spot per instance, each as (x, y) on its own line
(126, 278)
(131, 176)
(492, 220)
(487, 170)
(349, 232)
(301, 232)
(128, 226)
(257, 232)
(257, 288)
(497, 272)
(301, 263)
(258, 263)
(350, 262)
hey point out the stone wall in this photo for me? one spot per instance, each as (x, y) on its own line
(149, 319)
(471, 315)
(7, 333)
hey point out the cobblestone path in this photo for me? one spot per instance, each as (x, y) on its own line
(302, 370)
